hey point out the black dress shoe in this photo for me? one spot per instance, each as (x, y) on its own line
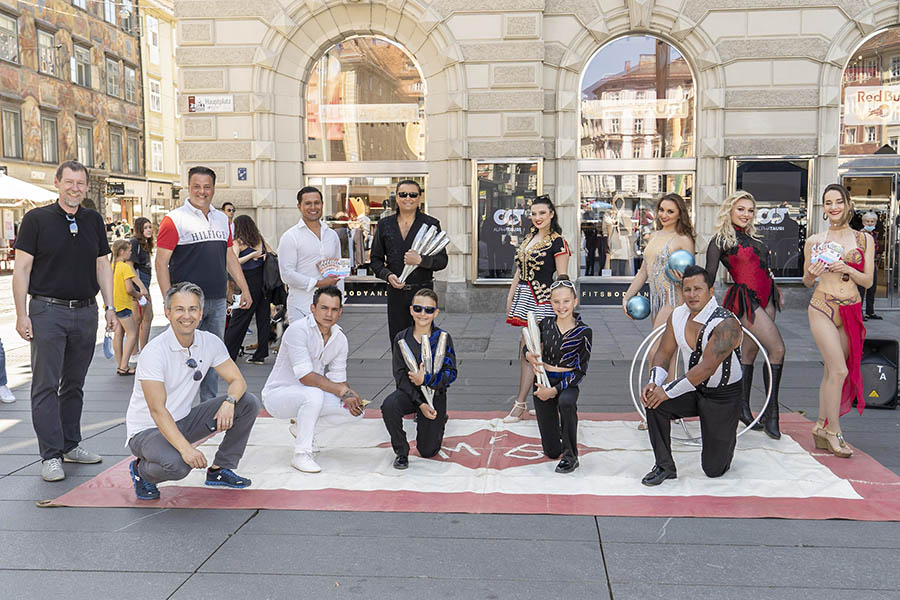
(401, 462)
(657, 476)
(875, 317)
(566, 465)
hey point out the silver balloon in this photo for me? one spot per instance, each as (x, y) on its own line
(638, 307)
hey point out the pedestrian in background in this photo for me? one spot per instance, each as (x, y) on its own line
(141, 256)
(126, 288)
(6, 395)
(193, 244)
(251, 250)
(61, 262)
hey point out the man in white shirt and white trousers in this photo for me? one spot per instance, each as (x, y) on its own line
(309, 380)
(300, 250)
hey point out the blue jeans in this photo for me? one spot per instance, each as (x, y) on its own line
(2, 364)
(213, 321)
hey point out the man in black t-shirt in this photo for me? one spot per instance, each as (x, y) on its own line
(62, 262)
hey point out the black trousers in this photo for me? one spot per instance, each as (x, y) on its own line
(557, 420)
(398, 302)
(61, 353)
(718, 409)
(590, 249)
(869, 294)
(240, 319)
(429, 434)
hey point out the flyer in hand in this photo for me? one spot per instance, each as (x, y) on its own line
(334, 267)
(827, 252)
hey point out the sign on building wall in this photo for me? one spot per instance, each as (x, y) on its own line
(211, 103)
(606, 294)
(872, 105)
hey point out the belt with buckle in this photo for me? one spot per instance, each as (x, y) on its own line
(66, 303)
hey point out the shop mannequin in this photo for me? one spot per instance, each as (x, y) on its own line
(621, 239)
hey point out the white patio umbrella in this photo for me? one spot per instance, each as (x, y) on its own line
(16, 189)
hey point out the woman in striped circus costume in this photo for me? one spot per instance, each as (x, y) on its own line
(542, 254)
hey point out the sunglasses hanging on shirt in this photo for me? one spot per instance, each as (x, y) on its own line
(192, 364)
(73, 226)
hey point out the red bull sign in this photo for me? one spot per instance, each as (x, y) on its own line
(872, 105)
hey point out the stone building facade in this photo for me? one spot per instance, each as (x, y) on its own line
(70, 88)
(505, 82)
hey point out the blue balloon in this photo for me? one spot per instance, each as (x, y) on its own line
(638, 307)
(678, 262)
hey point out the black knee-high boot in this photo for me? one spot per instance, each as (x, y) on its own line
(747, 385)
(770, 417)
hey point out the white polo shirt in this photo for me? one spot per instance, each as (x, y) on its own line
(164, 359)
(303, 351)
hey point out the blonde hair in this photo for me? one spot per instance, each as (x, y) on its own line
(117, 248)
(725, 236)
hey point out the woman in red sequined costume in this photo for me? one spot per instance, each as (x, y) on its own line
(837, 261)
(753, 297)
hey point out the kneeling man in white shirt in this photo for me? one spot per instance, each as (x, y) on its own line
(162, 427)
(309, 380)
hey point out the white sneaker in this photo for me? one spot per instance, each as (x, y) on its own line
(134, 358)
(304, 462)
(52, 470)
(292, 429)
(6, 395)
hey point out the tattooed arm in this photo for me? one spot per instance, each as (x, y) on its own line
(722, 341)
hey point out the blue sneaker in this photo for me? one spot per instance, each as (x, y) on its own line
(226, 478)
(144, 490)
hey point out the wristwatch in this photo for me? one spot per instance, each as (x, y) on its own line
(108, 307)
(231, 400)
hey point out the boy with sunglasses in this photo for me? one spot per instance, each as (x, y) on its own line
(162, 427)
(391, 250)
(408, 397)
(565, 351)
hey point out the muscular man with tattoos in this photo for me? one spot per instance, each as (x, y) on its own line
(709, 338)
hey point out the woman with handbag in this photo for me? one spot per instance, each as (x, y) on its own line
(252, 251)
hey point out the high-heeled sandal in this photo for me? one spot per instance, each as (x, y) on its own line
(818, 434)
(515, 415)
(842, 450)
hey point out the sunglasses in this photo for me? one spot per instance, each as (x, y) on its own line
(562, 282)
(192, 364)
(408, 194)
(429, 310)
(73, 226)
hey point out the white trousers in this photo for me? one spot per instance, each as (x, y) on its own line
(314, 409)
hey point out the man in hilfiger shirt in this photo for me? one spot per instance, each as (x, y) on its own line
(708, 338)
(193, 245)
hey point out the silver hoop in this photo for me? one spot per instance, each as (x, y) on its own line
(647, 344)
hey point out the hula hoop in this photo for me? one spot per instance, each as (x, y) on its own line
(647, 344)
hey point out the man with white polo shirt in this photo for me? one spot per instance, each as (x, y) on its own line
(161, 425)
(300, 250)
(194, 244)
(309, 380)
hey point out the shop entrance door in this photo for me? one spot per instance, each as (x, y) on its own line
(878, 194)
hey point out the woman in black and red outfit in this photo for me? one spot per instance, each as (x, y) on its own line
(542, 254)
(753, 297)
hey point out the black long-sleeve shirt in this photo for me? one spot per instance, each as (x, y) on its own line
(569, 350)
(438, 381)
(389, 246)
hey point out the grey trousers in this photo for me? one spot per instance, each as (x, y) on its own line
(61, 352)
(160, 461)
